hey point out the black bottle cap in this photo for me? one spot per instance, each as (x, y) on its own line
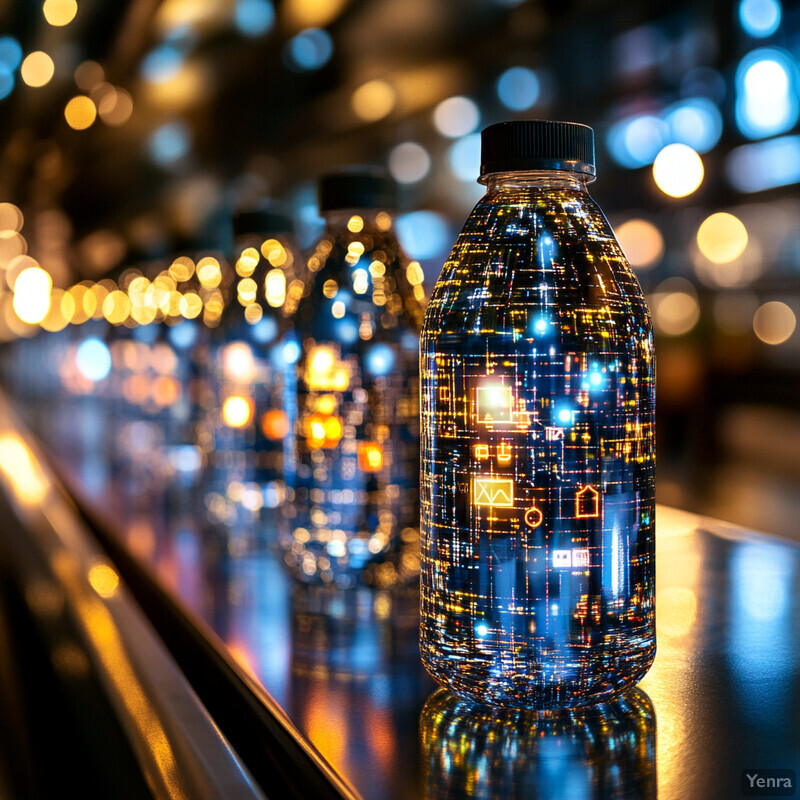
(357, 187)
(263, 219)
(532, 144)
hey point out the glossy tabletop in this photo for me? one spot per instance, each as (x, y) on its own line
(723, 696)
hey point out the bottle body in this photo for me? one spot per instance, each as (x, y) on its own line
(353, 510)
(537, 387)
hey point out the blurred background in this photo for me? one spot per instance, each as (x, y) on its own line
(130, 131)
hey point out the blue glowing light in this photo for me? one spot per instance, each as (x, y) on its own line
(563, 414)
(169, 143)
(481, 629)
(379, 359)
(767, 87)
(696, 122)
(145, 333)
(291, 351)
(6, 82)
(346, 330)
(309, 50)
(183, 335)
(518, 88)
(636, 141)
(760, 18)
(464, 157)
(93, 360)
(10, 53)
(161, 64)
(764, 165)
(423, 234)
(265, 330)
(254, 17)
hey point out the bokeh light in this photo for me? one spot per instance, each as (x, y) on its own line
(309, 50)
(518, 88)
(32, 295)
(722, 238)
(373, 100)
(254, 17)
(696, 122)
(635, 141)
(423, 234)
(767, 100)
(675, 307)
(59, 12)
(93, 359)
(409, 162)
(642, 243)
(6, 81)
(678, 170)
(760, 18)
(456, 116)
(37, 69)
(162, 64)
(774, 322)
(10, 53)
(115, 107)
(237, 411)
(80, 112)
(169, 143)
(464, 157)
(764, 165)
(11, 218)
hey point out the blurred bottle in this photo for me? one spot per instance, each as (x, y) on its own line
(538, 458)
(606, 751)
(353, 474)
(250, 371)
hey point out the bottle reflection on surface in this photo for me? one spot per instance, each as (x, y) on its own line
(477, 751)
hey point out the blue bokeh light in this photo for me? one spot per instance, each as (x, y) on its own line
(93, 360)
(464, 157)
(10, 53)
(423, 234)
(760, 18)
(696, 122)
(518, 88)
(764, 165)
(309, 50)
(290, 351)
(169, 143)
(265, 330)
(6, 82)
(183, 335)
(254, 17)
(767, 87)
(161, 64)
(379, 359)
(636, 141)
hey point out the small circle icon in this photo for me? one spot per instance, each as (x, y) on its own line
(533, 517)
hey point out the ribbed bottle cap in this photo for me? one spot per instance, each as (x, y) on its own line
(357, 187)
(262, 219)
(532, 144)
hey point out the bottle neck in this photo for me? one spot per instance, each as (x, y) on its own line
(536, 179)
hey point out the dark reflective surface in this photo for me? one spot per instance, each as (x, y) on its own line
(725, 687)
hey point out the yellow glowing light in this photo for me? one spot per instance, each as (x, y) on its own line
(117, 307)
(338, 309)
(37, 69)
(115, 107)
(181, 269)
(21, 469)
(32, 295)
(722, 238)
(774, 322)
(370, 457)
(383, 220)
(481, 451)
(311, 13)
(275, 424)
(104, 580)
(10, 218)
(675, 313)
(355, 224)
(642, 243)
(494, 404)
(59, 12)
(209, 272)
(321, 360)
(237, 411)
(246, 291)
(88, 74)
(274, 252)
(677, 611)
(360, 281)
(323, 431)
(80, 112)
(587, 502)
(253, 313)
(275, 287)
(326, 404)
(55, 319)
(329, 288)
(414, 273)
(678, 170)
(373, 101)
(497, 492)
(238, 363)
(247, 262)
(190, 305)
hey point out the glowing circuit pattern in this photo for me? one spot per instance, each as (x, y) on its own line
(353, 470)
(537, 379)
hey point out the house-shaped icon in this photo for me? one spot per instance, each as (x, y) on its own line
(587, 502)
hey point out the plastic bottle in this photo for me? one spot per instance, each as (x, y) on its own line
(353, 504)
(538, 393)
